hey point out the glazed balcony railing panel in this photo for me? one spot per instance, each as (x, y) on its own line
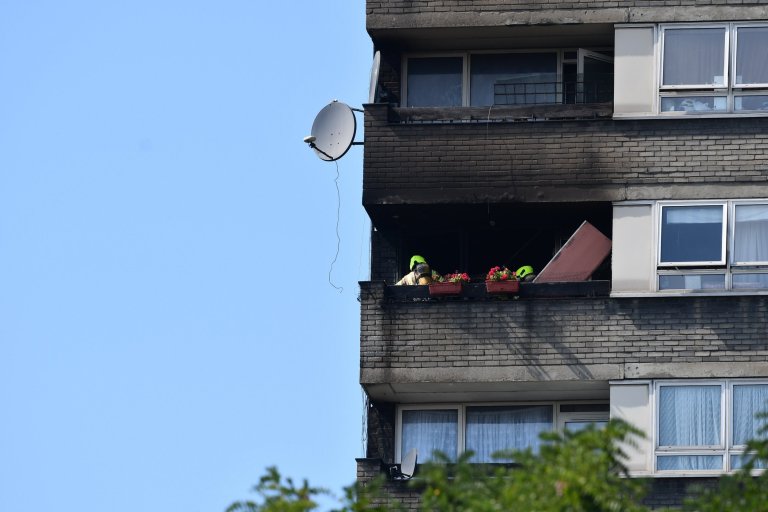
(415, 340)
(489, 158)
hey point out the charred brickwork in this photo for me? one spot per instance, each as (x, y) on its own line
(619, 336)
(599, 160)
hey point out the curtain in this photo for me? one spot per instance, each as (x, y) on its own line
(748, 400)
(430, 430)
(751, 233)
(689, 416)
(751, 55)
(691, 462)
(694, 56)
(491, 429)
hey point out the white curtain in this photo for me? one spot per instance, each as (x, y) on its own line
(430, 430)
(693, 462)
(694, 56)
(491, 429)
(748, 401)
(689, 416)
(751, 58)
(751, 233)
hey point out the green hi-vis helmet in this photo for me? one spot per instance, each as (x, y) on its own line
(415, 260)
(523, 271)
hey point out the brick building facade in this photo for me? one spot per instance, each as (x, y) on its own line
(498, 128)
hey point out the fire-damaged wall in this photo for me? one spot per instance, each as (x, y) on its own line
(551, 161)
(578, 338)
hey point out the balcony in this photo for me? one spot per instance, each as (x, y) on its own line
(415, 349)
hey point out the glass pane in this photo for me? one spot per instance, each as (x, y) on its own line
(694, 104)
(751, 102)
(598, 80)
(579, 425)
(738, 460)
(750, 281)
(691, 233)
(490, 429)
(751, 57)
(692, 282)
(430, 430)
(748, 401)
(689, 462)
(434, 82)
(513, 78)
(689, 416)
(750, 241)
(694, 56)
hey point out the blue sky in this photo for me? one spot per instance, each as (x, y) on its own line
(167, 329)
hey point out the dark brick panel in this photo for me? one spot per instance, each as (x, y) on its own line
(536, 161)
(662, 492)
(573, 332)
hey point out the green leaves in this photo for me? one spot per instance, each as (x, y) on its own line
(574, 472)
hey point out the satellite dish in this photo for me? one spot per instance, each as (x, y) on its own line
(333, 131)
(408, 466)
(374, 77)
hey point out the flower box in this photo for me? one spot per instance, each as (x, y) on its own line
(502, 286)
(442, 289)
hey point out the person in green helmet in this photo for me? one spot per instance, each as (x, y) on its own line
(525, 273)
(420, 273)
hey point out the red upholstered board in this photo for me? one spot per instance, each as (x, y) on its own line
(578, 258)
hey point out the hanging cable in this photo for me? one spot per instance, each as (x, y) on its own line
(338, 238)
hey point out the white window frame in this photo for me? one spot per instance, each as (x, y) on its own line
(730, 88)
(726, 266)
(713, 87)
(433, 407)
(723, 239)
(725, 449)
(557, 422)
(735, 38)
(467, 71)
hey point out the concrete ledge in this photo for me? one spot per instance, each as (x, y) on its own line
(464, 374)
(378, 24)
(694, 370)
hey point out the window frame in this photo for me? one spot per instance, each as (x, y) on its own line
(735, 42)
(730, 90)
(729, 267)
(683, 26)
(462, 410)
(427, 55)
(723, 235)
(726, 449)
(467, 67)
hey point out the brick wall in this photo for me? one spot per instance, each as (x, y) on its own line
(662, 492)
(553, 332)
(597, 160)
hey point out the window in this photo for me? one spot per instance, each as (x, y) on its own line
(713, 68)
(713, 246)
(435, 81)
(486, 429)
(704, 426)
(507, 78)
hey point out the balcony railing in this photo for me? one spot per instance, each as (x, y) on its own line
(477, 291)
(598, 88)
